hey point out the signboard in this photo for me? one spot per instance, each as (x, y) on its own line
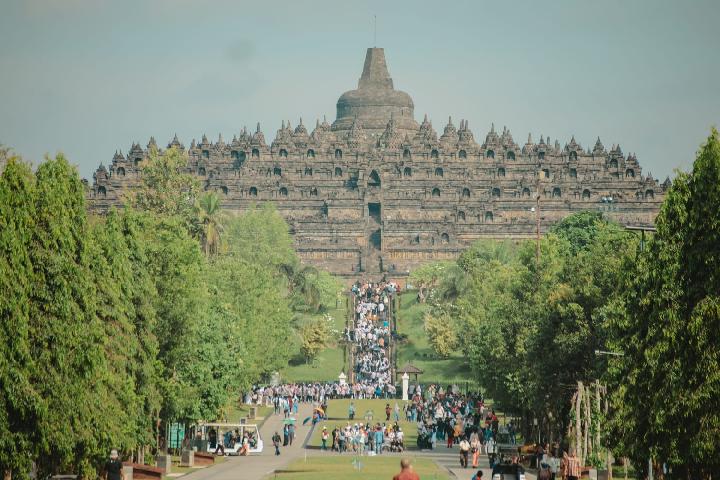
(177, 435)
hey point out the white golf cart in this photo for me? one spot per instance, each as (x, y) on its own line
(231, 435)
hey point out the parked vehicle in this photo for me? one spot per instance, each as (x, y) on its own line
(230, 434)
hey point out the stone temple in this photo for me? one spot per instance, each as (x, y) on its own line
(377, 191)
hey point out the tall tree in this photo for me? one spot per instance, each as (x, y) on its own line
(667, 401)
(168, 188)
(66, 337)
(21, 404)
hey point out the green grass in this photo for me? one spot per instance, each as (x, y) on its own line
(346, 467)
(329, 362)
(338, 416)
(417, 350)
(235, 411)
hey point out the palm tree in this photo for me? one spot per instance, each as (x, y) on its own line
(210, 217)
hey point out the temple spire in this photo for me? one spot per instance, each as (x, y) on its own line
(375, 73)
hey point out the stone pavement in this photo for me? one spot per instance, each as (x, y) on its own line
(449, 459)
(257, 466)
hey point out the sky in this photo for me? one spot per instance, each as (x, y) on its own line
(88, 77)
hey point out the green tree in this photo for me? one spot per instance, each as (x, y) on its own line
(427, 277)
(441, 334)
(143, 295)
(210, 218)
(177, 266)
(667, 384)
(66, 338)
(315, 334)
(261, 236)
(21, 403)
(112, 277)
(168, 188)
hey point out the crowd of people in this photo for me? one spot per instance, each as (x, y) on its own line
(370, 336)
(360, 438)
(443, 415)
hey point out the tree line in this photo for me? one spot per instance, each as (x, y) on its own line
(607, 331)
(112, 326)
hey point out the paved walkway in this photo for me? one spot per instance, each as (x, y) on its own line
(257, 466)
(449, 458)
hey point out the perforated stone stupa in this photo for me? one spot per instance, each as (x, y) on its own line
(378, 192)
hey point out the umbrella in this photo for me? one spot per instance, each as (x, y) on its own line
(305, 422)
(289, 421)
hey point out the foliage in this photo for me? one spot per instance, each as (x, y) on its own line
(315, 334)
(426, 276)
(527, 328)
(441, 334)
(21, 403)
(261, 236)
(210, 220)
(167, 188)
(112, 323)
(668, 382)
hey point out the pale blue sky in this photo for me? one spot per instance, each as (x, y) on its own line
(87, 77)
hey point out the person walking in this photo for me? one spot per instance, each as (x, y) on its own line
(379, 439)
(450, 431)
(464, 452)
(475, 449)
(291, 433)
(351, 411)
(276, 443)
(114, 467)
(571, 465)
(324, 437)
(478, 475)
(406, 471)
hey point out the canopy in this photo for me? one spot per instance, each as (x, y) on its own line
(409, 368)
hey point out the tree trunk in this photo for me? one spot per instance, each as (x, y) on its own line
(588, 424)
(625, 462)
(597, 406)
(578, 424)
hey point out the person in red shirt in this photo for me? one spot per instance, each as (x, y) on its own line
(406, 471)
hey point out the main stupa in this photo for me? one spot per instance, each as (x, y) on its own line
(375, 101)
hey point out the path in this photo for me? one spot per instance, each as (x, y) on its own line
(449, 459)
(256, 467)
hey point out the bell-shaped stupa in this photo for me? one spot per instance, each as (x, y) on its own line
(375, 101)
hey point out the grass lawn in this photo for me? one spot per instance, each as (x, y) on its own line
(417, 350)
(338, 416)
(347, 467)
(233, 413)
(329, 362)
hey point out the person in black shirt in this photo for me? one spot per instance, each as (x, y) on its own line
(276, 443)
(114, 467)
